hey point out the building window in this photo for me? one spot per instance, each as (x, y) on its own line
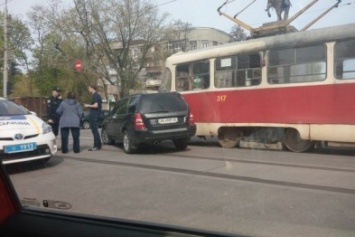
(135, 52)
(204, 44)
(193, 45)
(178, 45)
(215, 43)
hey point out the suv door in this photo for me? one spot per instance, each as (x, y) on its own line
(117, 119)
(109, 125)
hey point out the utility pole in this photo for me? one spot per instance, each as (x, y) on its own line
(5, 66)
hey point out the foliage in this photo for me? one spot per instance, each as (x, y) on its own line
(24, 86)
(118, 33)
(114, 39)
(238, 34)
(19, 42)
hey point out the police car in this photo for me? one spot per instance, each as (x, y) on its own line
(23, 136)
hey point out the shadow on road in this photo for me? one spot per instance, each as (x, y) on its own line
(344, 151)
(167, 147)
(161, 148)
(33, 165)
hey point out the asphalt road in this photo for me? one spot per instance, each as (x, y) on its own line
(253, 192)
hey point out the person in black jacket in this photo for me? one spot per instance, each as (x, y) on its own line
(52, 106)
(95, 113)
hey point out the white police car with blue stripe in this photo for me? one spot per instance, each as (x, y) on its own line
(23, 136)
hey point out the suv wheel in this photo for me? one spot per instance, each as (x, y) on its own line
(127, 144)
(86, 125)
(106, 139)
(180, 144)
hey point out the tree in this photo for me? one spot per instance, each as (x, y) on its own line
(238, 34)
(123, 26)
(23, 87)
(19, 42)
(56, 50)
(108, 35)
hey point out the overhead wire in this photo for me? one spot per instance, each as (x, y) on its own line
(165, 3)
(316, 10)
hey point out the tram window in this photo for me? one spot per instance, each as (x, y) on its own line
(307, 72)
(238, 71)
(344, 61)
(201, 75)
(193, 76)
(166, 81)
(223, 64)
(310, 54)
(281, 57)
(306, 64)
(224, 79)
(182, 77)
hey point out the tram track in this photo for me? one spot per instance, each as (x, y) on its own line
(210, 174)
(256, 162)
(264, 163)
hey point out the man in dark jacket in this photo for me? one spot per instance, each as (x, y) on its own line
(53, 103)
(95, 113)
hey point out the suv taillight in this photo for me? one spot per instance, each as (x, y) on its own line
(191, 120)
(138, 122)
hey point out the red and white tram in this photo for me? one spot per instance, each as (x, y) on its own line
(294, 89)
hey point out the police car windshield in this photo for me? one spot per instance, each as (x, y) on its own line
(8, 108)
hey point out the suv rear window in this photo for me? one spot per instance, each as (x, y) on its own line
(162, 102)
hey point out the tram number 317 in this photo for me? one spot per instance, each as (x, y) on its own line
(221, 98)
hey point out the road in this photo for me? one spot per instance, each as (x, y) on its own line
(252, 192)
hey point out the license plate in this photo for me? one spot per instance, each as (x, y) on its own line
(167, 120)
(20, 148)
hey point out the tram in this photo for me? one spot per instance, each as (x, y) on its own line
(295, 89)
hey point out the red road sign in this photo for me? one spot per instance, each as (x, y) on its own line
(78, 65)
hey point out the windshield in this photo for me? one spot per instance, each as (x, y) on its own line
(236, 117)
(8, 108)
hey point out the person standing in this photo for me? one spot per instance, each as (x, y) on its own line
(53, 103)
(71, 113)
(94, 115)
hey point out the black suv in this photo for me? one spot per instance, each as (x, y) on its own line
(85, 120)
(149, 119)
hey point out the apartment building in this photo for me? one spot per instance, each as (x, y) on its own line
(192, 39)
(150, 76)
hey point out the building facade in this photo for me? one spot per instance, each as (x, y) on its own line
(192, 39)
(151, 74)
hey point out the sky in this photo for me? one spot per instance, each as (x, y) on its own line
(203, 13)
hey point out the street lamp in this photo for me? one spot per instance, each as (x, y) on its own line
(5, 66)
